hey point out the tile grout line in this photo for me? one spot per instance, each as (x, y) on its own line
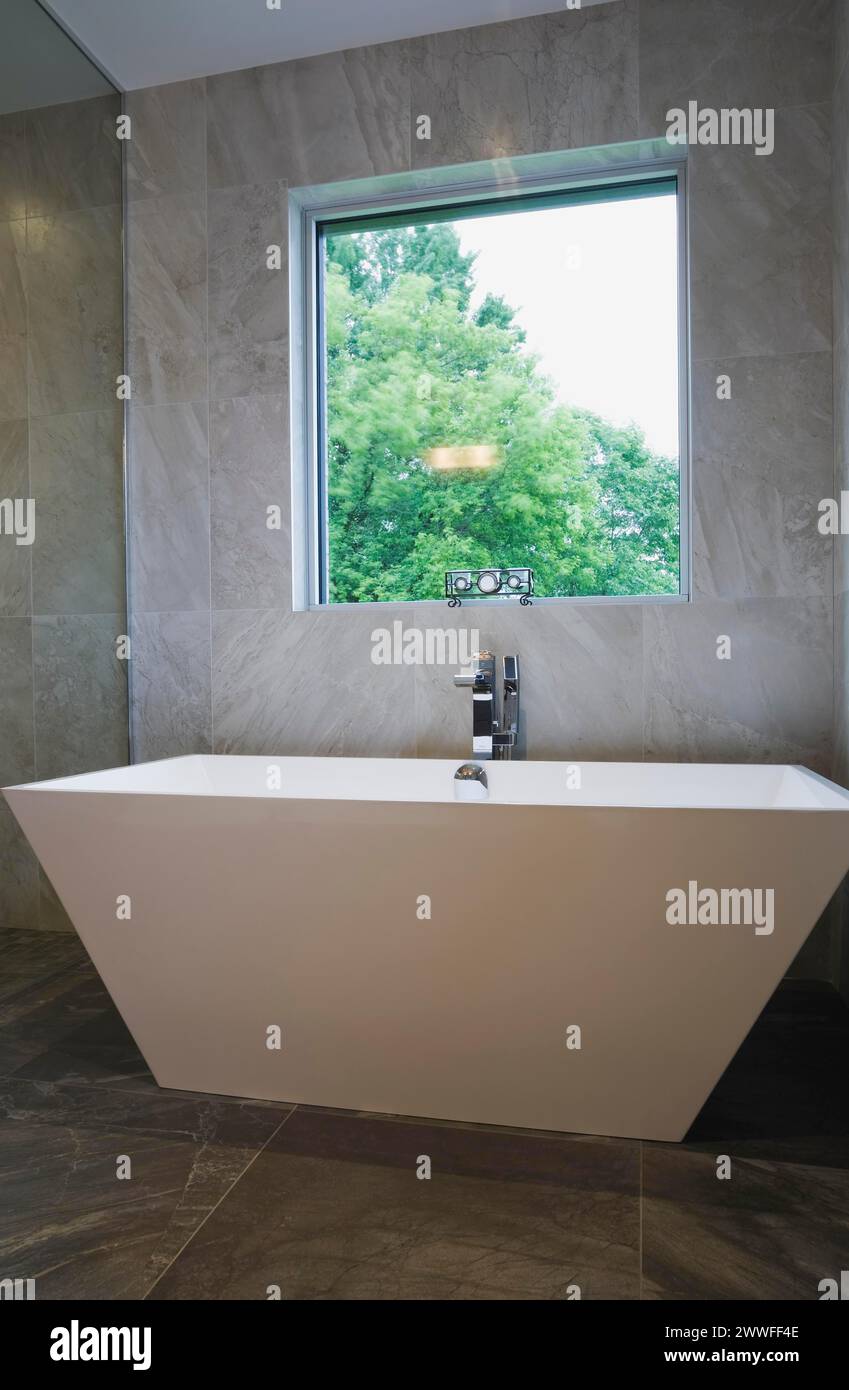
(762, 355)
(221, 1199)
(768, 356)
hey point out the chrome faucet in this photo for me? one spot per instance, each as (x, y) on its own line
(495, 716)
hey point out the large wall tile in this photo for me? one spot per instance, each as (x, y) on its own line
(15, 560)
(166, 340)
(444, 712)
(338, 116)
(73, 156)
(16, 710)
(51, 914)
(583, 693)
(13, 321)
(304, 683)
(13, 293)
(13, 378)
(13, 166)
(77, 483)
(772, 702)
(581, 680)
(840, 769)
(248, 302)
(168, 150)
(74, 273)
(841, 36)
(80, 694)
(249, 472)
(172, 685)
(18, 875)
(732, 53)
(841, 463)
(840, 189)
(762, 462)
(169, 508)
(18, 867)
(559, 81)
(761, 242)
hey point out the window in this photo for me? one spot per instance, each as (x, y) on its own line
(497, 384)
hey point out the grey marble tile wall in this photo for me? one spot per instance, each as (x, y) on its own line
(63, 688)
(841, 433)
(841, 339)
(168, 258)
(554, 82)
(338, 116)
(228, 665)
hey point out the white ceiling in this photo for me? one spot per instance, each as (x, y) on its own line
(141, 43)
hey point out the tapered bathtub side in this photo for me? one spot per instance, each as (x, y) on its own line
(501, 964)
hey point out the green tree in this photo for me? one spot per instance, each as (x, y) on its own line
(639, 509)
(411, 368)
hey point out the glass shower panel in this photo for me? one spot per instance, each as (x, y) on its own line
(63, 610)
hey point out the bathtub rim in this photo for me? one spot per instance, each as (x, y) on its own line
(129, 780)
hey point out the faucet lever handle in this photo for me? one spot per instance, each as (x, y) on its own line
(481, 666)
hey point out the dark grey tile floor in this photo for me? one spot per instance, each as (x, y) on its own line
(229, 1199)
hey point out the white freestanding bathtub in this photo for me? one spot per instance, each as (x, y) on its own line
(536, 959)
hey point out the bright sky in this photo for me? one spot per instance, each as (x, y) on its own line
(595, 287)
